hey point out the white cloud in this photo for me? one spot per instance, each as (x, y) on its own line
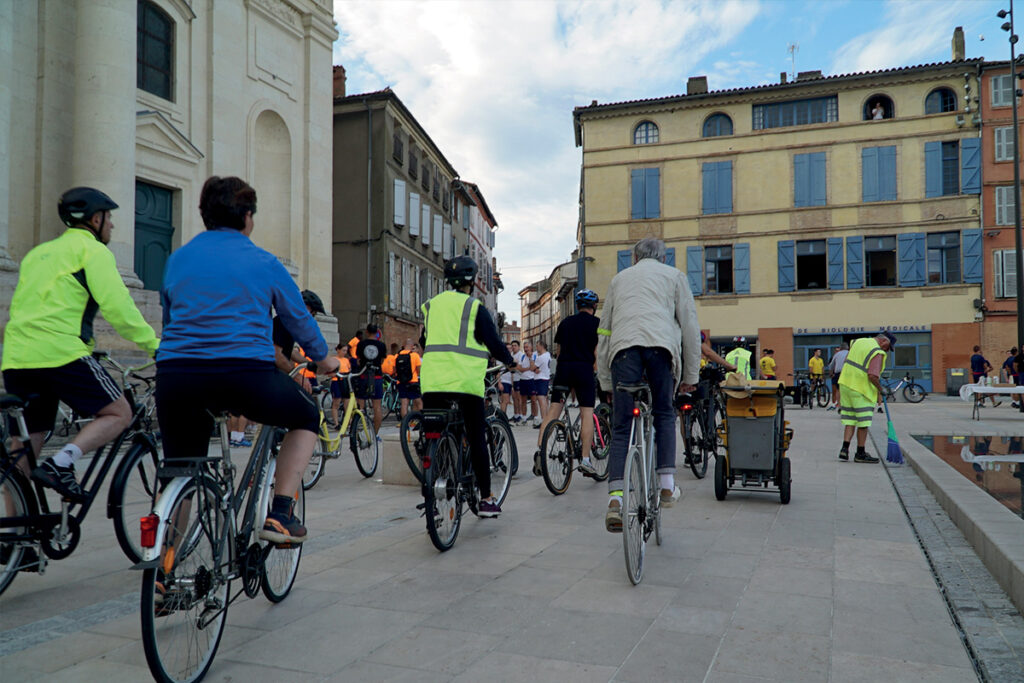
(494, 84)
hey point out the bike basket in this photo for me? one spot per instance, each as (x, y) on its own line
(756, 405)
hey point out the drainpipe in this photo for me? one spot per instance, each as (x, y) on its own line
(369, 204)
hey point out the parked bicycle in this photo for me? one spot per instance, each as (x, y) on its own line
(702, 416)
(819, 392)
(641, 495)
(912, 391)
(201, 535)
(562, 451)
(802, 393)
(31, 532)
(356, 431)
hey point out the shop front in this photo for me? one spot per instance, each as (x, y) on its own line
(913, 352)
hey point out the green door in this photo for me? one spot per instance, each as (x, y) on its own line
(153, 232)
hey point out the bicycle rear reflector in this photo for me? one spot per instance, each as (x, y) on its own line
(432, 435)
(687, 407)
(426, 462)
(148, 525)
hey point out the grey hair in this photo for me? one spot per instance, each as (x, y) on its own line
(649, 247)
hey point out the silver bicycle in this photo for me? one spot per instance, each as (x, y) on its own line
(641, 497)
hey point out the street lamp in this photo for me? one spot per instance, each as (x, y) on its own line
(1008, 26)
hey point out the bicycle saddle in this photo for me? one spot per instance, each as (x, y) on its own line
(10, 401)
(633, 389)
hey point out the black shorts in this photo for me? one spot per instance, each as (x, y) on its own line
(186, 402)
(579, 377)
(410, 391)
(83, 384)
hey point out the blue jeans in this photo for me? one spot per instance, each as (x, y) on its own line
(630, 366)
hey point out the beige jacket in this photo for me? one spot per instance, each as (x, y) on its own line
(650, 304)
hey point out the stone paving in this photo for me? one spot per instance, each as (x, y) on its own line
(833, 587)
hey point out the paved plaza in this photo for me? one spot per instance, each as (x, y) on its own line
(833, 587)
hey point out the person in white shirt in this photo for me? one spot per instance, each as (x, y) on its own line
(505, 386)
(525, 363)
(517, 385)
(541, 379)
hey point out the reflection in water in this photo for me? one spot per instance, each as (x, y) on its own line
(994, 463)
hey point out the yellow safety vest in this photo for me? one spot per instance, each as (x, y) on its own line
(855, 369)
(741, 359)
(453, 359)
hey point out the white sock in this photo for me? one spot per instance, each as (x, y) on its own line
(586, 460)
(67, 455)
(667, 481)
(615, 498)
(237, 436)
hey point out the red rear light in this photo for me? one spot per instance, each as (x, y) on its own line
(432, 435)
(426, 462)
(687, 407)
(636, 411)
(148, 525)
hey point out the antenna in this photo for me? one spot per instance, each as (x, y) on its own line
(792, 49)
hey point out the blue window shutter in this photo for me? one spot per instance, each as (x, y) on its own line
(638, 195)
(933, 169)
(970, 165)
(887, 173)
(709, 192)
(786, 269)
(724, 187)
(910, 258)
(741, 267)
(801, 180)
(818, 192)
(695, 269)
(653, 194)
(670, 257)
(973, 269)
(625, 259)
(835, 262)
(869, 174)
(854, 262)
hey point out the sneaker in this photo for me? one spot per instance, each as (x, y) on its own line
(60, 479)
(242, 443)
(1015, 405)
(283, 529)
(537, 471)
(613, 517)
(864, 457)
(831, 406)
(489, 508)
(880, 411)
(844, 454)
(669, 498)
(586, 468)
(536, 422)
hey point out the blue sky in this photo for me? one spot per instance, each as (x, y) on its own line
(494, 83)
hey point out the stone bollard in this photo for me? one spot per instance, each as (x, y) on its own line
(393, 468)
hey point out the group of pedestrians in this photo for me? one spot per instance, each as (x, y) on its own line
(526, 384)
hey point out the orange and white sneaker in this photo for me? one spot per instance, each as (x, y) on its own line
(283, 529)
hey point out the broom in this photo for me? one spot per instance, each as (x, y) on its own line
(893, 453)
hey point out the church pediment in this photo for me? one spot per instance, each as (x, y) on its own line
(155, 132)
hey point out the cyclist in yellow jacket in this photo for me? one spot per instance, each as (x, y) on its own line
(48, 342)
(860, 390)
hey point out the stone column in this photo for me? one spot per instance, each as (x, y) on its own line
(103, 152)
(6, 76)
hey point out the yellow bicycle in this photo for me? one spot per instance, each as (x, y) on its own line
(356, 429)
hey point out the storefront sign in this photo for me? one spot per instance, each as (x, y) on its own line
(858, 330)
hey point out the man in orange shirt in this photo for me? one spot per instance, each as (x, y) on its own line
(338, 386)
(407, 371)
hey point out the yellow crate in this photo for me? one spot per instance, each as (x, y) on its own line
(757, 405)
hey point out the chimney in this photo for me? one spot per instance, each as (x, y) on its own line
(697, 85)
(339, 81)
(808, 75)
(959, 51)
(782, 77)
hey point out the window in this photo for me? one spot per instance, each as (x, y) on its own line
(438, 234)
(880, 261)
(399, 202)
(413, 162)
(943, 258)
(425, 222)
(718, 270)
(809, 179)
(1004, 205)
(447, 243)
(414, 214)
(646, 133)
(948, 163)
(950, 172)
(154, 50)
(811, 265)
(878, 174)
(1002, 90)
(1004, 143)
(465, 217)
(393, 284)
(437, 184)
(1004, 267)
(407, 286)
(716, 177)
(878, 107)
(940, 101)
(397, 147)
(717, 125)
(445, 201)
(425, 180)
(796, 113)
(645, 193)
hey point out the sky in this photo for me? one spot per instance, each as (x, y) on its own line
(494, 82)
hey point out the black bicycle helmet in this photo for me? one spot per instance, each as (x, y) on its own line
(312, 301)
(586, 298)
(77, 205)
(460, 271)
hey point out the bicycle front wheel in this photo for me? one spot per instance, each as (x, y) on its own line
(556, 457)
(363, 442)
(132, 494)
(317, 462)
(410, 436)
(599, 449)
(441, 493)
(502, 447)
(823, 395)
(13, 503)
(634, 515)
(185, 599)
(914, 393)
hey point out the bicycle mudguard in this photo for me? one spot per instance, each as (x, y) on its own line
(162, 510)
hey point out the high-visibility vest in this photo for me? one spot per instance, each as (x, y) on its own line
(453, 360)
(741, 359)
(855, 369)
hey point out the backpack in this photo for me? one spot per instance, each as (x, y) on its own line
(403, 367)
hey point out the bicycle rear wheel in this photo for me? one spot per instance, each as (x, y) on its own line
(185, 600)
(14, 502)
(694, 442)
(502, 446)
(410, 436)
(556, 457)
(914, 393)
(634, 513)
(599, 449)
(441, 493)
(653, 504)
(132, 494)
(363, 442)
(280, 564)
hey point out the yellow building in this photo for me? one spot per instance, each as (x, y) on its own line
(805, 213)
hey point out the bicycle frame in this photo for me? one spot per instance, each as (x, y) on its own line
(644, 418)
